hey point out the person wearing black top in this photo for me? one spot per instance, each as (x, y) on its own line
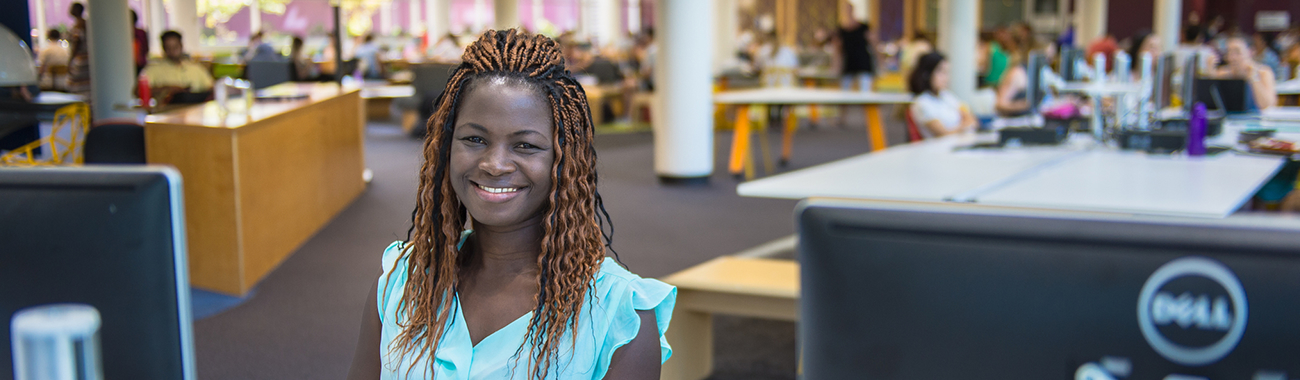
(855, 49)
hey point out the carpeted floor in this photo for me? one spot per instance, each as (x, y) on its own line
(302, 321)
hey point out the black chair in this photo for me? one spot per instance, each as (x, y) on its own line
(606, 72)
(115, 144)
(265, 74)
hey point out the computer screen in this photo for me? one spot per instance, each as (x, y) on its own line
(912, 291)
(1228, 95)
(112, 238)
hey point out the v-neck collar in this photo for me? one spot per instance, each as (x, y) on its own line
(464, 327)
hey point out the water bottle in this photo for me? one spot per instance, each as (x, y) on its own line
(56, 342)
(1196, 131)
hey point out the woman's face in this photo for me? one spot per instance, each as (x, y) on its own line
(1238, 53)
(939, 79)
(1150, 45)
(502, 153)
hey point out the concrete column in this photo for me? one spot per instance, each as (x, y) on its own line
(958, 36)
(1167, 26)
(505, 14)
(112, 68)
(1089, 22)
(41, 26)
(255, 18)
(437, 18)
(184, 18)
(634, 16)
(386, 18)
(724, 33)
(414, 25)
(611, 23)
(683, 104)
(155, 24)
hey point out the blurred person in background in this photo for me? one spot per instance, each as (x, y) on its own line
(303, 68)
(78, 52)
(175, 73)
(919, 45)
(259, 50)
(1239, 64)
(447, 49)
(140, 43)
(935, 110)
(54, 54)
(368, 53)
(1261, 47)
(1143, 43)
(859, 63)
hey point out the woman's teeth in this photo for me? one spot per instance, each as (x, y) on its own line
(498, 190)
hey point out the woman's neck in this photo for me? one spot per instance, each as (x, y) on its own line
(511, 249)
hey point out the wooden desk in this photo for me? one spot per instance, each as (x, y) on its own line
(1288, 93)
(749, 287)
(380, 98)
(260, 182)
(799, 96)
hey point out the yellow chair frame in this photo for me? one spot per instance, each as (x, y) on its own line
(75, 117)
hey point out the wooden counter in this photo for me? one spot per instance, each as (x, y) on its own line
(258, 183)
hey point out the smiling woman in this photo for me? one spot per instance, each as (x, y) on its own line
(504, 273)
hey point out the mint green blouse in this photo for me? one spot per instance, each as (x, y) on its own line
(608, 321)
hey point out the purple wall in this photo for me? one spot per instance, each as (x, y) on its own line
(891, 20)
(56, 11)
(1124, 18)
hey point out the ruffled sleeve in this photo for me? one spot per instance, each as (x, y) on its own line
(624, 294)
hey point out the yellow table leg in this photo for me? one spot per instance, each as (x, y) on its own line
(739, 140)
(765, 148)
(787, 138)
(875, 127)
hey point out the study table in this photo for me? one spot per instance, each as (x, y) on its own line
(1288, 93)
(743, 99)
(1079, 175)
(259, 182)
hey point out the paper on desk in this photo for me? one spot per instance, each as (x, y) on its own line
(1281, 114)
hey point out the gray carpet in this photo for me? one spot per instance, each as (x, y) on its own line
(302, 322)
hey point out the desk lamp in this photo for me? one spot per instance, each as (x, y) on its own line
(16, 65)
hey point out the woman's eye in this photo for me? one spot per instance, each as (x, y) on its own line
(529, 146)
(474, 139)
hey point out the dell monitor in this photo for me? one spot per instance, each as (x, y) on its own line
(112, 238)
(893, 290)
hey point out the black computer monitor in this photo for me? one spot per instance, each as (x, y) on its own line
(1070, 55)
(1228, 95)
(945, 291)
(1034, 89)
(113, 238)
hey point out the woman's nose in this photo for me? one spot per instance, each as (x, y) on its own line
(496, 162)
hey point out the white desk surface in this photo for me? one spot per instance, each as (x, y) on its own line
(387, 91)
(927, 171)
(1291, 87)
(1137, 183)
(808, 96)
(1108, 88)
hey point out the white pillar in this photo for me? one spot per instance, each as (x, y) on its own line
(112, 67)
(184, 18)
(507, 14)
(724, 33)
(386, 18)
(611, 23)
(41, 27)
(255, 18)
(1089, 22)
(437, 18)
(414, 25)
(155, 24)
(683, 104)
(958, 36)
(634, 16)
(1168, 14)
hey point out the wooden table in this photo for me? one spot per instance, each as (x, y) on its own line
(748, 287)
(799, 96)
(259, 182)
(1288, 93)
(380, 98)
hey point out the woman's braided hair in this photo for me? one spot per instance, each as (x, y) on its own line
(571, 246)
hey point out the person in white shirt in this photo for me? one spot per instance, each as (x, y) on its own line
(55, 53)
(935, 110)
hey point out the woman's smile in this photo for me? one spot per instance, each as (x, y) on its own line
(497, 194)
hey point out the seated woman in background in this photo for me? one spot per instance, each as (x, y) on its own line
(936, 111)
(1238, 64)
(1143, 43)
